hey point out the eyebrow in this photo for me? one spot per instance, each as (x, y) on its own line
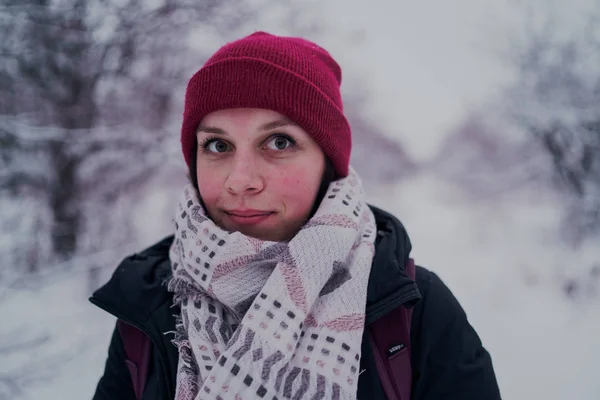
(264, 128)
(277, 124)
(210, 129)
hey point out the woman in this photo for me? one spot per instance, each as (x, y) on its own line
(277, 265)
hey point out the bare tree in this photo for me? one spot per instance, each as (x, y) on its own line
(77, 73)
(556, 100)
(487, 159)
(377, 157)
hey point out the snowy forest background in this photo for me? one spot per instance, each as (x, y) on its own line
(476, 122)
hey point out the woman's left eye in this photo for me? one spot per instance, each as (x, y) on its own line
(280, 143)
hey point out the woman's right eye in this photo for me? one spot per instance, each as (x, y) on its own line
(217, 146)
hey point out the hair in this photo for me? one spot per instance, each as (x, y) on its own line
(329, 175)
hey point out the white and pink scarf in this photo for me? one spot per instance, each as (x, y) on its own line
(273, 319)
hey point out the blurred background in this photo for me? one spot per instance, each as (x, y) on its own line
(476, 122)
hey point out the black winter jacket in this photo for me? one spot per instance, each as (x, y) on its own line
(448, 359)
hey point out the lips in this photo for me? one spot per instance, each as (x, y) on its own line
(248, 213)
(248, 217)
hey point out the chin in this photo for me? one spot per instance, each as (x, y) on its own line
(268, 235)
(260, 234)
(270, 232)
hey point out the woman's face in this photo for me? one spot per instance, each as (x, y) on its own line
(258, 172)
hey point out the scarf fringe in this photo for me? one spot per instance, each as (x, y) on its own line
(187, 362)
(182, 289)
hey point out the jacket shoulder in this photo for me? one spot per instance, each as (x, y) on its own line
(437, 309)
(138, 285)
(448, 357)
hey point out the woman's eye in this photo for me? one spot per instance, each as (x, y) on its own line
(280, 143)
(217, 146)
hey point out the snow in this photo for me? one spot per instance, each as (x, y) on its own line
(499, 259)
(69, 361)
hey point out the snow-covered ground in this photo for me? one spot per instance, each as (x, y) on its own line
(501, 261)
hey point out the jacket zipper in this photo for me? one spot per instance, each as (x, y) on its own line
(147, 332)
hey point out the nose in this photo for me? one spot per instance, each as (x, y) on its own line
(244, 176)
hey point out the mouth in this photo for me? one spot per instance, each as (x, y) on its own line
(248, 217)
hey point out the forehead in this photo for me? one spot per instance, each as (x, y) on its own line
(243, 116)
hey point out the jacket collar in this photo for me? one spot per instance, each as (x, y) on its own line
(389, 285)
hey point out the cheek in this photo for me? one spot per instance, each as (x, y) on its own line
(298, 189)
(209, 186)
